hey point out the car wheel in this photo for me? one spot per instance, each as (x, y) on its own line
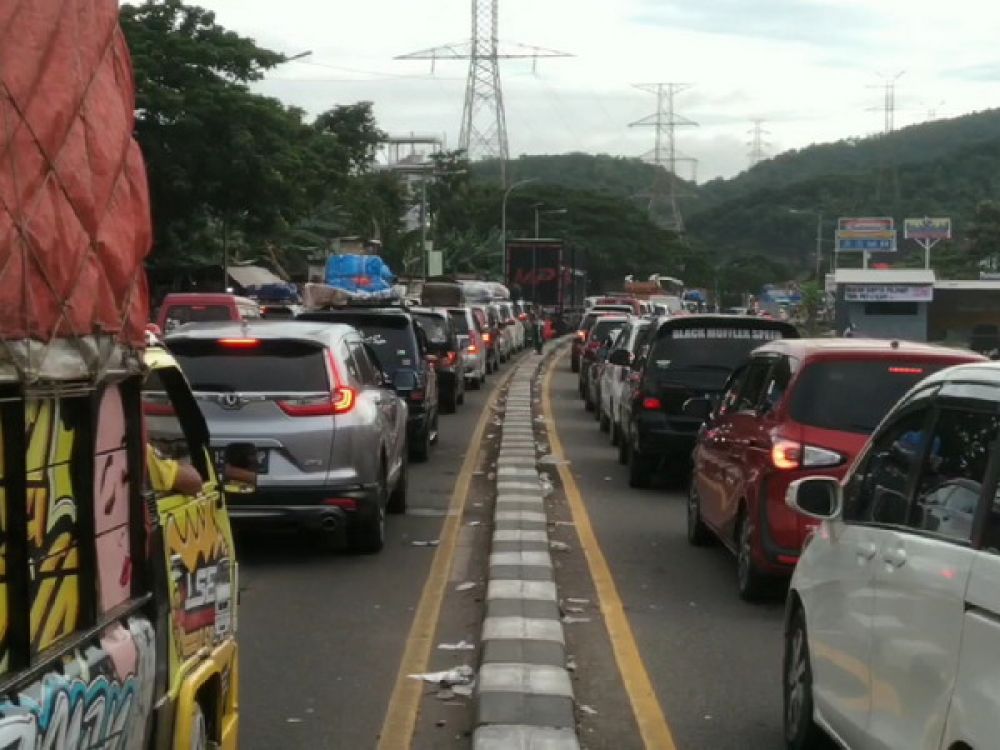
(461, 396)
(749, 581)
(587, 403)
(697, 532)
(397, 500)
(603, 422)
(613, 432)
(640, 469)
(420, 450)
(623, 448)
(449, 404)
(368, 536)
(476, 382)
(574, 365)
(801, 731)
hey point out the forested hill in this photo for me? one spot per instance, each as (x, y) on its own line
(917, 144)
(620, 176)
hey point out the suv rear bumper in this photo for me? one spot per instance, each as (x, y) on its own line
(655, 435)
(308, 510)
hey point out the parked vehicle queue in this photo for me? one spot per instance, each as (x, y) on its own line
(866, 471)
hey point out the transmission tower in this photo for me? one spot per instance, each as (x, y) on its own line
(663, 206)
(758, 146)
(483, 133)
(887, 172)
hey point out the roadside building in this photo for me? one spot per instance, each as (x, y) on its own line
(885, 304)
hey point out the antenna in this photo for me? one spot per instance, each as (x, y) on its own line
(663, 206)
(484, 122)
(758, 146)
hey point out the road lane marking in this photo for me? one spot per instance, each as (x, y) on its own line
(404, 704)
(653, 726)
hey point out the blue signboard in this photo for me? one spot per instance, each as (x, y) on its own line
(854, 245)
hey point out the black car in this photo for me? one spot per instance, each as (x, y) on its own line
(400, 344)
(443, 344)
(682, 358)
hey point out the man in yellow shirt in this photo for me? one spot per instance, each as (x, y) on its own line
(167, 475)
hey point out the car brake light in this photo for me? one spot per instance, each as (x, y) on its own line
(786, 455)
(451, 358)
(652, 403)
(487, 337)
(906, 370)
(239, 343)
(340, 401)
(522, 316)
(472, 349)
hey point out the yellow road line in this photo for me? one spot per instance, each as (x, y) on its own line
(404, 705)
(653, 726)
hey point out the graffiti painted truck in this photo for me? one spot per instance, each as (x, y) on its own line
(117, 624)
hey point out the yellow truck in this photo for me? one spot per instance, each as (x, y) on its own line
(117, 596)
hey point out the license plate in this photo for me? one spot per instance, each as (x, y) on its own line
(262, 459)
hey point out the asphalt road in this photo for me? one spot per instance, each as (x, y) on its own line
(715, 661)
(321, 635)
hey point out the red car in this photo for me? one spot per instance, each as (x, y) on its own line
(799, 407)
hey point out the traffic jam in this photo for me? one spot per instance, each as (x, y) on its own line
(844, 476)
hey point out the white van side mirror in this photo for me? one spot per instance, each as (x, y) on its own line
(821, 498)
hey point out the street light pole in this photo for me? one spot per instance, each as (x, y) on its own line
(503, 223)
(819, 246)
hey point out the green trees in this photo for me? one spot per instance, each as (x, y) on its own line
(230, 167)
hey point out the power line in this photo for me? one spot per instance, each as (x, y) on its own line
(483, 132)
(663, 206)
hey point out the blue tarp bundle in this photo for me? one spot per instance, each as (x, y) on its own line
(359, 275)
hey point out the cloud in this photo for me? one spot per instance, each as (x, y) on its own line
(820, 21)
(984, 72)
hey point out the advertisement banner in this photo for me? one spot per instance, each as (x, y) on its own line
(927, 229)
(888, 293)
(867, 224)
(865, 235)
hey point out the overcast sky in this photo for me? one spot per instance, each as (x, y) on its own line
(810, 68)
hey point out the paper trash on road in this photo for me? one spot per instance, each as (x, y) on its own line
(425, 542)
(558, 546)
(569, 620)
(460, 646)
(466, 586)
(584, 708)
(461, 675)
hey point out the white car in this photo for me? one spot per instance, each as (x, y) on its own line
(470, 337)
(614, 377)
(893, 617)
(513, 326)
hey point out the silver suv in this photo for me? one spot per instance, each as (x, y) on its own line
(330, 433)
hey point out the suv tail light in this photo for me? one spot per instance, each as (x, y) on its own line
(447, 360)
(581, 335)
(340, 401)
(157, 406)
(652, 403)
(487, 337)
(522, 317)
(788, 455)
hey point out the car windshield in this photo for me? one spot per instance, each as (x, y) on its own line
(604, 328)
(270, 367)
(853, 396)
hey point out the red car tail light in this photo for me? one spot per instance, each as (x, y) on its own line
(581, 335)
(472, 349)
(906, 370)
(347, 503)
(417, 395)
(522, 317)
(652, 403)
(487, 337)
(786, 455)
(340, 401)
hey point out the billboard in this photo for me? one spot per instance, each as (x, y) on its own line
(534, 271)
(866, 235)
(927, 229)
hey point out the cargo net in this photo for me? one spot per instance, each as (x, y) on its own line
(74, 202)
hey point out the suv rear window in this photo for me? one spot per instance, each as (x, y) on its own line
(178, 315)
(436, 329)
(704, 356)
(391, 336)
(603, 328)
(271, 367)
(459, 322)
(853, 396)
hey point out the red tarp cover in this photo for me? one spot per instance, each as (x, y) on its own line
(74, 203)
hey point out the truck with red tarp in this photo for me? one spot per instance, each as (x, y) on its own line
(117, 619)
